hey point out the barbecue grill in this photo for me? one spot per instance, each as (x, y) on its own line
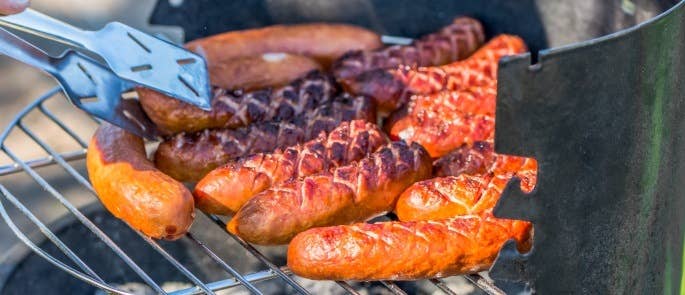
(602, 118)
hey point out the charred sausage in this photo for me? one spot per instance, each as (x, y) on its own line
(453, 42)
(190, 156)
(233, 109)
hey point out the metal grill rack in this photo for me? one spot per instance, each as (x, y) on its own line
(82, 271)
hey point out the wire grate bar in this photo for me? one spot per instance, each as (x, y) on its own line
(229, 283)
(484, 284)
(442, 286)
(59, 122)
(176, 264)
(260, 256)
(224, 265)
(85, 221)
(347, 287)
(42, 162)
(393, 288)
(87, 184)
(53, 260)
(49, 234)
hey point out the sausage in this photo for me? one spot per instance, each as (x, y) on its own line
(347, 194)
(391, 88)
(130, 187)
(261, 71)
(474, 100)
(404, 250)
(190, 156)
(453, 42)
(232, 109)
(469, 159)
(448, 121)
(445, 197)
(321, 41)
(224, 190)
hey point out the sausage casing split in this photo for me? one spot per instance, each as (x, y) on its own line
(404, 250)
(233, 109)
(190, 156)
(132, 189)
(321, 41)
(347, 194)
(391, 88)
(453, 42)
(224, 190)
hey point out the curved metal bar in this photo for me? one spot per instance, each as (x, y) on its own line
(77, 274)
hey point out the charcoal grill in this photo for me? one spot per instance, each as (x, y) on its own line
(602, 117)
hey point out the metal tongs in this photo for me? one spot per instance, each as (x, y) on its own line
(131, 57)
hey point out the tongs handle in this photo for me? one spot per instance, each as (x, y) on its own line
(22, 51)
(36, 23)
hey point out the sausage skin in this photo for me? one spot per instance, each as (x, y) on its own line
(347, 194)
(404, 250)
(132, 189)
(224, 190)
(451, 43)
(391, 88)
(233, 109)
(447, 120)
(322, 41)
(261, 71)
(469, 159)
(190, 156)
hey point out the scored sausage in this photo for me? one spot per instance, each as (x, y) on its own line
(224, 190)
(232, 109)
(453, 42)
(190, 156)
(391, 88)
(445, 197)
(321, 41)
(347, 194)
(447, 121)
(404, 250)
(132, 189)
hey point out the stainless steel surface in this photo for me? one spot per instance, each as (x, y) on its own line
(130, 54)
(83, 271)
(86, 84)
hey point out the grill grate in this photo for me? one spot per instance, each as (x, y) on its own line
(86, 274)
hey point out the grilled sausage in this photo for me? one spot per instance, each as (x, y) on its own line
(224, 190)
(453, 42)
(446, 197)
(190, 156)
(261, 71)
(234, 109)
(347, 194)
(474, 100)
(404, 250)
(447, 120)
(469, 159)
(391, 88)
(130, 187)
(321, 41)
